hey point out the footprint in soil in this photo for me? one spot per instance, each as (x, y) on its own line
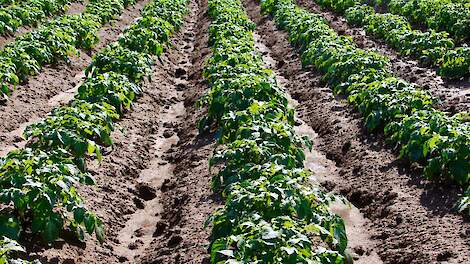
(175, 241)
(179, 73)
(145, 191)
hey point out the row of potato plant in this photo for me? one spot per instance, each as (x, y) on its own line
(272, 212)
(28, 12)
(55, 40)
(431, 47)
(38, 183)
(406, 114)
(452, 16)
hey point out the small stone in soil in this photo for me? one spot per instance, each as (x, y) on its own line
(180, 72)
(180, 87)
(443, 256)
(123, 259)
(133, 246)
(167, 185)
(128, 211)
(359, 250)
(139, 232)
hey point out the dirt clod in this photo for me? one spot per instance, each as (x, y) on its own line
(180, 72)
(139, 203)
(160, 228)
(168, 133)
(174, 241)
(146, 191)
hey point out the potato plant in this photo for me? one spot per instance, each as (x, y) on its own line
(39, 182)
(430, 47)
(272, 213)
(450, 16)
(8, 246)
(55, 40)
(28, 12)
(437, 140)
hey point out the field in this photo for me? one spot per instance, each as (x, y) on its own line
(235, 131)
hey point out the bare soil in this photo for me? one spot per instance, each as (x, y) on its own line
(454, 95)
(410, 219)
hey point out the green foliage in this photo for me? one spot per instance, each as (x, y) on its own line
(432, 138)
(55, 40)
(449, 16)
(41, 188)
(7, 246)
(113, 88)
(272, 213)
(80, 127)
(38, 184)
(456, 63)
(148, 35)
(116, 58)
(29, 12)
(430, 47)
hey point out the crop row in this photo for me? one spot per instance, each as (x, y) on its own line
(405, 113)
(55, 40)
(38, 183)
(431, 47)
(29, 12)
(452, 16)
(272, 213)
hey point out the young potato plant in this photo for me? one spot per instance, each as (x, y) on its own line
(430, 47)
(112, 88)
(29, 12)
(80, 127)
(41, 188)
(272, 214)
(8, 246)
(443, 15)
(38, 184)
(115, 58)
(55, 40)
(149, 35)
(435, 139)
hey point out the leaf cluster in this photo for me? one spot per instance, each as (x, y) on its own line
(272, 212)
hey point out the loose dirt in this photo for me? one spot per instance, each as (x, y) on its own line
(188, 201)
(410, 219)
(454, 95)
